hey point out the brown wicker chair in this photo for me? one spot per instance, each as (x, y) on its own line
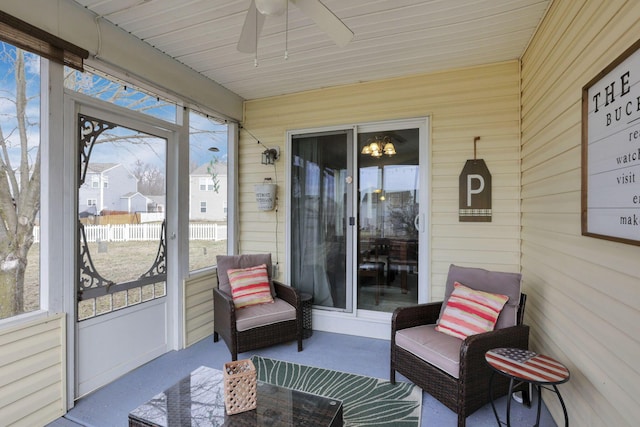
(259, 335)
(470, 390)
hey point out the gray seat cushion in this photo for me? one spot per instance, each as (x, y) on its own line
(438, 349)
(442, 350)
(264, 314)
(496, 282)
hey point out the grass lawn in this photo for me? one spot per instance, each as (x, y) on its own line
(122, 262)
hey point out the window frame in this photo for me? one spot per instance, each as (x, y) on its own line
(56, 147)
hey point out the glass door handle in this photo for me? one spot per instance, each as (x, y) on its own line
(416, 222)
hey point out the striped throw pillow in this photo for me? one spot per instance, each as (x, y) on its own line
(250, 286)
(470, 312)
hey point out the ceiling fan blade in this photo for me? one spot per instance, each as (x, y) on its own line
(326, 20)
(251, 30)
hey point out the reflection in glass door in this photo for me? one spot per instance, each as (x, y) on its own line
(354, 231)
(388, 208)
(320, 192)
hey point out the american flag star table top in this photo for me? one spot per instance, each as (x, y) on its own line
(527, 365)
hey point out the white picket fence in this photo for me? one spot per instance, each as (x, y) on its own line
(141, 232)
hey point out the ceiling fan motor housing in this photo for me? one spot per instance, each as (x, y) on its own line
(322, 16)
(271, 7)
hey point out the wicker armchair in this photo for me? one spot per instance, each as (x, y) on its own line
(260, 333)
(468, 391)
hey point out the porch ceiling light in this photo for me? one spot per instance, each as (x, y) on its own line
(378, 146)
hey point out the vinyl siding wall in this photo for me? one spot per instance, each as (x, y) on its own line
(33, 372)
(584, 293)
(480, 101)
(198, 306)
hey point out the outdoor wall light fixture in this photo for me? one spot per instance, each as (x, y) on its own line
(378, 146)
(270, 155)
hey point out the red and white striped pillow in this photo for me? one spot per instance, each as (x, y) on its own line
(470, 312)
(250, 286)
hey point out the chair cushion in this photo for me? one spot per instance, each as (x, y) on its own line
(225, 262)
(470, 312)
(494, 282)
(249, 286)
(264, 314)
(438, 349)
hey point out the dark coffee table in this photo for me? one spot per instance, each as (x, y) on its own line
(198, 400)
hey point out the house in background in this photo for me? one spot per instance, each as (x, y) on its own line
(208, 192)
(156, 203)
(110, 186)
(134, 202)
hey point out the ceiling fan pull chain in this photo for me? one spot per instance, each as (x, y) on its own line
(255, 58)
(286, 33)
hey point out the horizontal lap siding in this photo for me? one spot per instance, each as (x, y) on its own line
(480, 101)
(198, 306)
(584, 293)
(33, 372)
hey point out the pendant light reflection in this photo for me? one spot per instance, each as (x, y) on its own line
(378, 146)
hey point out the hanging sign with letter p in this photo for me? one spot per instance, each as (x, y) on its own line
(475, 192)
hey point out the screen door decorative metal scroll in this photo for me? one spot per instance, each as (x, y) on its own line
(91, 283)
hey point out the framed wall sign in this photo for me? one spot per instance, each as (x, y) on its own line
(611, 151)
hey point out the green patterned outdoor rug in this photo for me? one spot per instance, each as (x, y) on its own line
(366, 401)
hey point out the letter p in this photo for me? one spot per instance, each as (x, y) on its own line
(470, 189)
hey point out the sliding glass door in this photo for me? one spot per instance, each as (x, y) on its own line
(357, 202)
(388, 219)
(320, 191)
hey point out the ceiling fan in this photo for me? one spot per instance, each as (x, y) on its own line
(314, 9)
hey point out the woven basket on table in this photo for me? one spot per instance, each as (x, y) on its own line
(240, 389)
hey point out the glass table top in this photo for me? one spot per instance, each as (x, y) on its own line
(198, 400)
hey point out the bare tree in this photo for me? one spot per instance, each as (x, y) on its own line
(150, 179)
(19, 196)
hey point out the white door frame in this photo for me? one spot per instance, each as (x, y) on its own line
(171, 305)
(361, 322)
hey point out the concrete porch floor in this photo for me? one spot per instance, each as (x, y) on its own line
(110, 405)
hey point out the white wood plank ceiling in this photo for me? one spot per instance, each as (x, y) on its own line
(392, 38)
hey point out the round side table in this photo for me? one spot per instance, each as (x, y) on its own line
(307, 307)
(524, 366)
